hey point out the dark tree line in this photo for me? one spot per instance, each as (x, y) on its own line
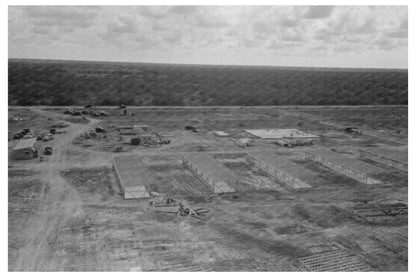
(59, 83)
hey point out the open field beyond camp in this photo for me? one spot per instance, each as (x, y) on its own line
(54, 82)
(313, 188)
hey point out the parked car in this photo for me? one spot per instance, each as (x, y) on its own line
(48, 150)
(28, 136)
(191, 128)
(103, 113)
(100, 130)
(18, 136)
(60, 125)
(48, 137)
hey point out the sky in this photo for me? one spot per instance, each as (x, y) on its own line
(322, 36)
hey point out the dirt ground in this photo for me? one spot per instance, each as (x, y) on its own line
(67, 213)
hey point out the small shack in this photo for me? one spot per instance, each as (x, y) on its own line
(25, 149)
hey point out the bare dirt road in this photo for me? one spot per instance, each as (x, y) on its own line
(59, 202)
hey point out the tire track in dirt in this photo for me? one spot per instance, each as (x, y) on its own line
(59, 202)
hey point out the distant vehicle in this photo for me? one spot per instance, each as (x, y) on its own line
(60, 125)
(18, 136)
(48, 150)
(294, 142)
(24, 133)
(74, 113)
(103, 113)
(92, 113)
(350, 129)
(88, 106)
(39, 137)
(191, 128)
(93, 133)
(118, 149)
(100, 130)
(28, 135)
(48, 137)
(284, 142)
(135, 141)
(355, 132)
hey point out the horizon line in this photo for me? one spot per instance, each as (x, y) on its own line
(205, 64)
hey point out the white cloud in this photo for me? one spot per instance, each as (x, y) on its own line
(318, 11)
(211, 22)
(397, 34)
(289, 22)
(50, 16)
(263, 27)
(152, 12)
(212, 34)
(123, 25)
(184, 9)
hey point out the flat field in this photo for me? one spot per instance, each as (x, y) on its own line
(67, 211)
(48, 82)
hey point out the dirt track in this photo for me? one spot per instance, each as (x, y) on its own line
(61, 201)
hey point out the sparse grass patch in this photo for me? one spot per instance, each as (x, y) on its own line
(323, 216)
(21, 173)
(92, 182)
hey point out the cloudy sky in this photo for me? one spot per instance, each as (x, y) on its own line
(340, 36)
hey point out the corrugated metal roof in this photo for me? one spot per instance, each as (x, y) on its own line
(211, 167)
(25, 143)
(398, 154)
(346, 161)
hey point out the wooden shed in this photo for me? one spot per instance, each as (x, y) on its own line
(25, 149)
